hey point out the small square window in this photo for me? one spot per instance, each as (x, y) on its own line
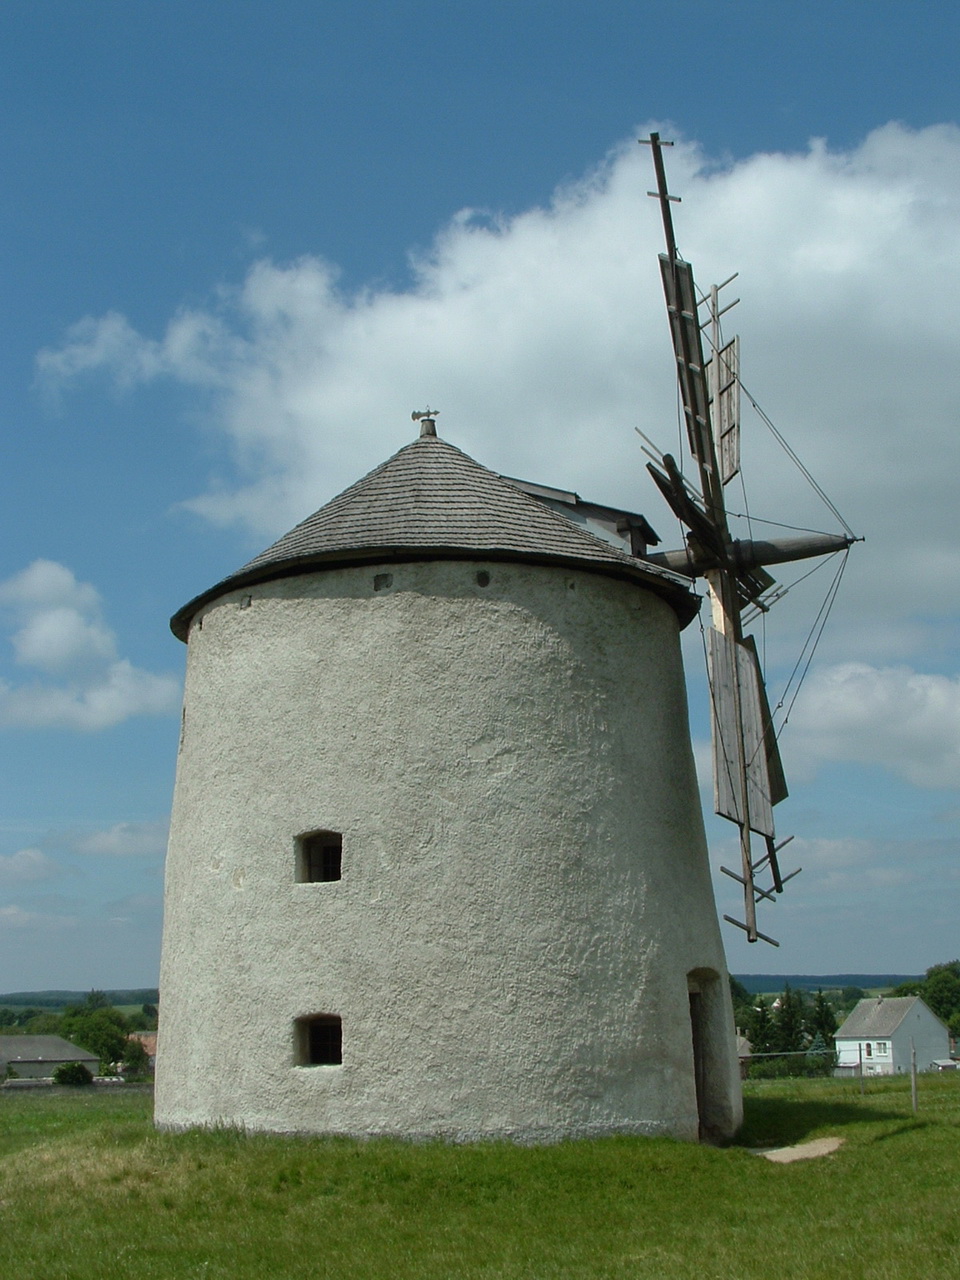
(319, 856)
(319, 1041)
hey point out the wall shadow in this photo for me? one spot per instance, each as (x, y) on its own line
(781, 1122)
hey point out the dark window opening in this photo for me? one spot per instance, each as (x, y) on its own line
(319, 857)
(320, 1041)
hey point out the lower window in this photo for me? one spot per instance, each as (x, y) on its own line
(319, 1041)
(319, 855)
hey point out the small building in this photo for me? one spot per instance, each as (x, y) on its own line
(37, 1057)
(882, 1033)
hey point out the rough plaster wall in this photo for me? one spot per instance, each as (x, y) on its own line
(525, 882)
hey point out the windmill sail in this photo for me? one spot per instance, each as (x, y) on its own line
(748, 775)
(744, 745)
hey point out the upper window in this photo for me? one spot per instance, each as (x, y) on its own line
(869, 1049)
(319, 856)
(881, 1047)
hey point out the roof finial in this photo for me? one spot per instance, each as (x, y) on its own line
(427, 419)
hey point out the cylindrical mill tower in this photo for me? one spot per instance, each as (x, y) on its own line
(437, 864)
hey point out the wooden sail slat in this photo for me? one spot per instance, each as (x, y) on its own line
(681, 297)
(775, 774)
(739, 746)
(725, 408)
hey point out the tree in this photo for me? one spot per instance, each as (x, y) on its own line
(911, 988)
(821, 1020)
(742, 1003)
(788, 1033)
(95, 1000)
(820, 1058)
(940, 989)
(101, 1030)
(738, 991)
(74, 1073)
(136, 1060)
(44, 1024)
(760, 1027)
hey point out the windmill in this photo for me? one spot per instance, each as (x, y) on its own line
(747, 771)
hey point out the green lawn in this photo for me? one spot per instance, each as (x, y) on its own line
(88, 1190)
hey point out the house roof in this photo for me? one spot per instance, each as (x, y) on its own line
(42, 1049)
(876, 1017)
(431, 500)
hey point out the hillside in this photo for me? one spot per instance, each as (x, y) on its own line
(59, 999)
(763, 983)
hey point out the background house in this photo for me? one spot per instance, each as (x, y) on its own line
(881, 1033)
(37, 1057)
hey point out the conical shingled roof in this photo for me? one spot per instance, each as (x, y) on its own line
(431, 500)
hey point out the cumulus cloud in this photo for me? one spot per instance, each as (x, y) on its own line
(58, 631)
(26, 866)
(905, 721)
(126, 840)
(543, 340)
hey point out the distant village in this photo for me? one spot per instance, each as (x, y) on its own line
(108, 1038)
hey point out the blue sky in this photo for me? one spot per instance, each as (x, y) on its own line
(241, 242)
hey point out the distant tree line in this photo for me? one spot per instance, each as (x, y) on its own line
(59, 1000)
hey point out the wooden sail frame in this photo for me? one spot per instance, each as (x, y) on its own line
(748, 774)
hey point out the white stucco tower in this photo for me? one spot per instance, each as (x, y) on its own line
(437, 865)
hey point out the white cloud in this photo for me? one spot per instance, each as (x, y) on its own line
(126, 840)
(59, 631)
(33, 923)
(48, 585)
(903, 720)
(26, 866)
(543, 340)
(855, 907)
(61, 640)
(109, 342)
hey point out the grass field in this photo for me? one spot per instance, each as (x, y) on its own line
(88, 1190)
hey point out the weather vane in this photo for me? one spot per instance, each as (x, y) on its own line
(427, 419)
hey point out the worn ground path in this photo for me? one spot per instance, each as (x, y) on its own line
(802, 1150)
